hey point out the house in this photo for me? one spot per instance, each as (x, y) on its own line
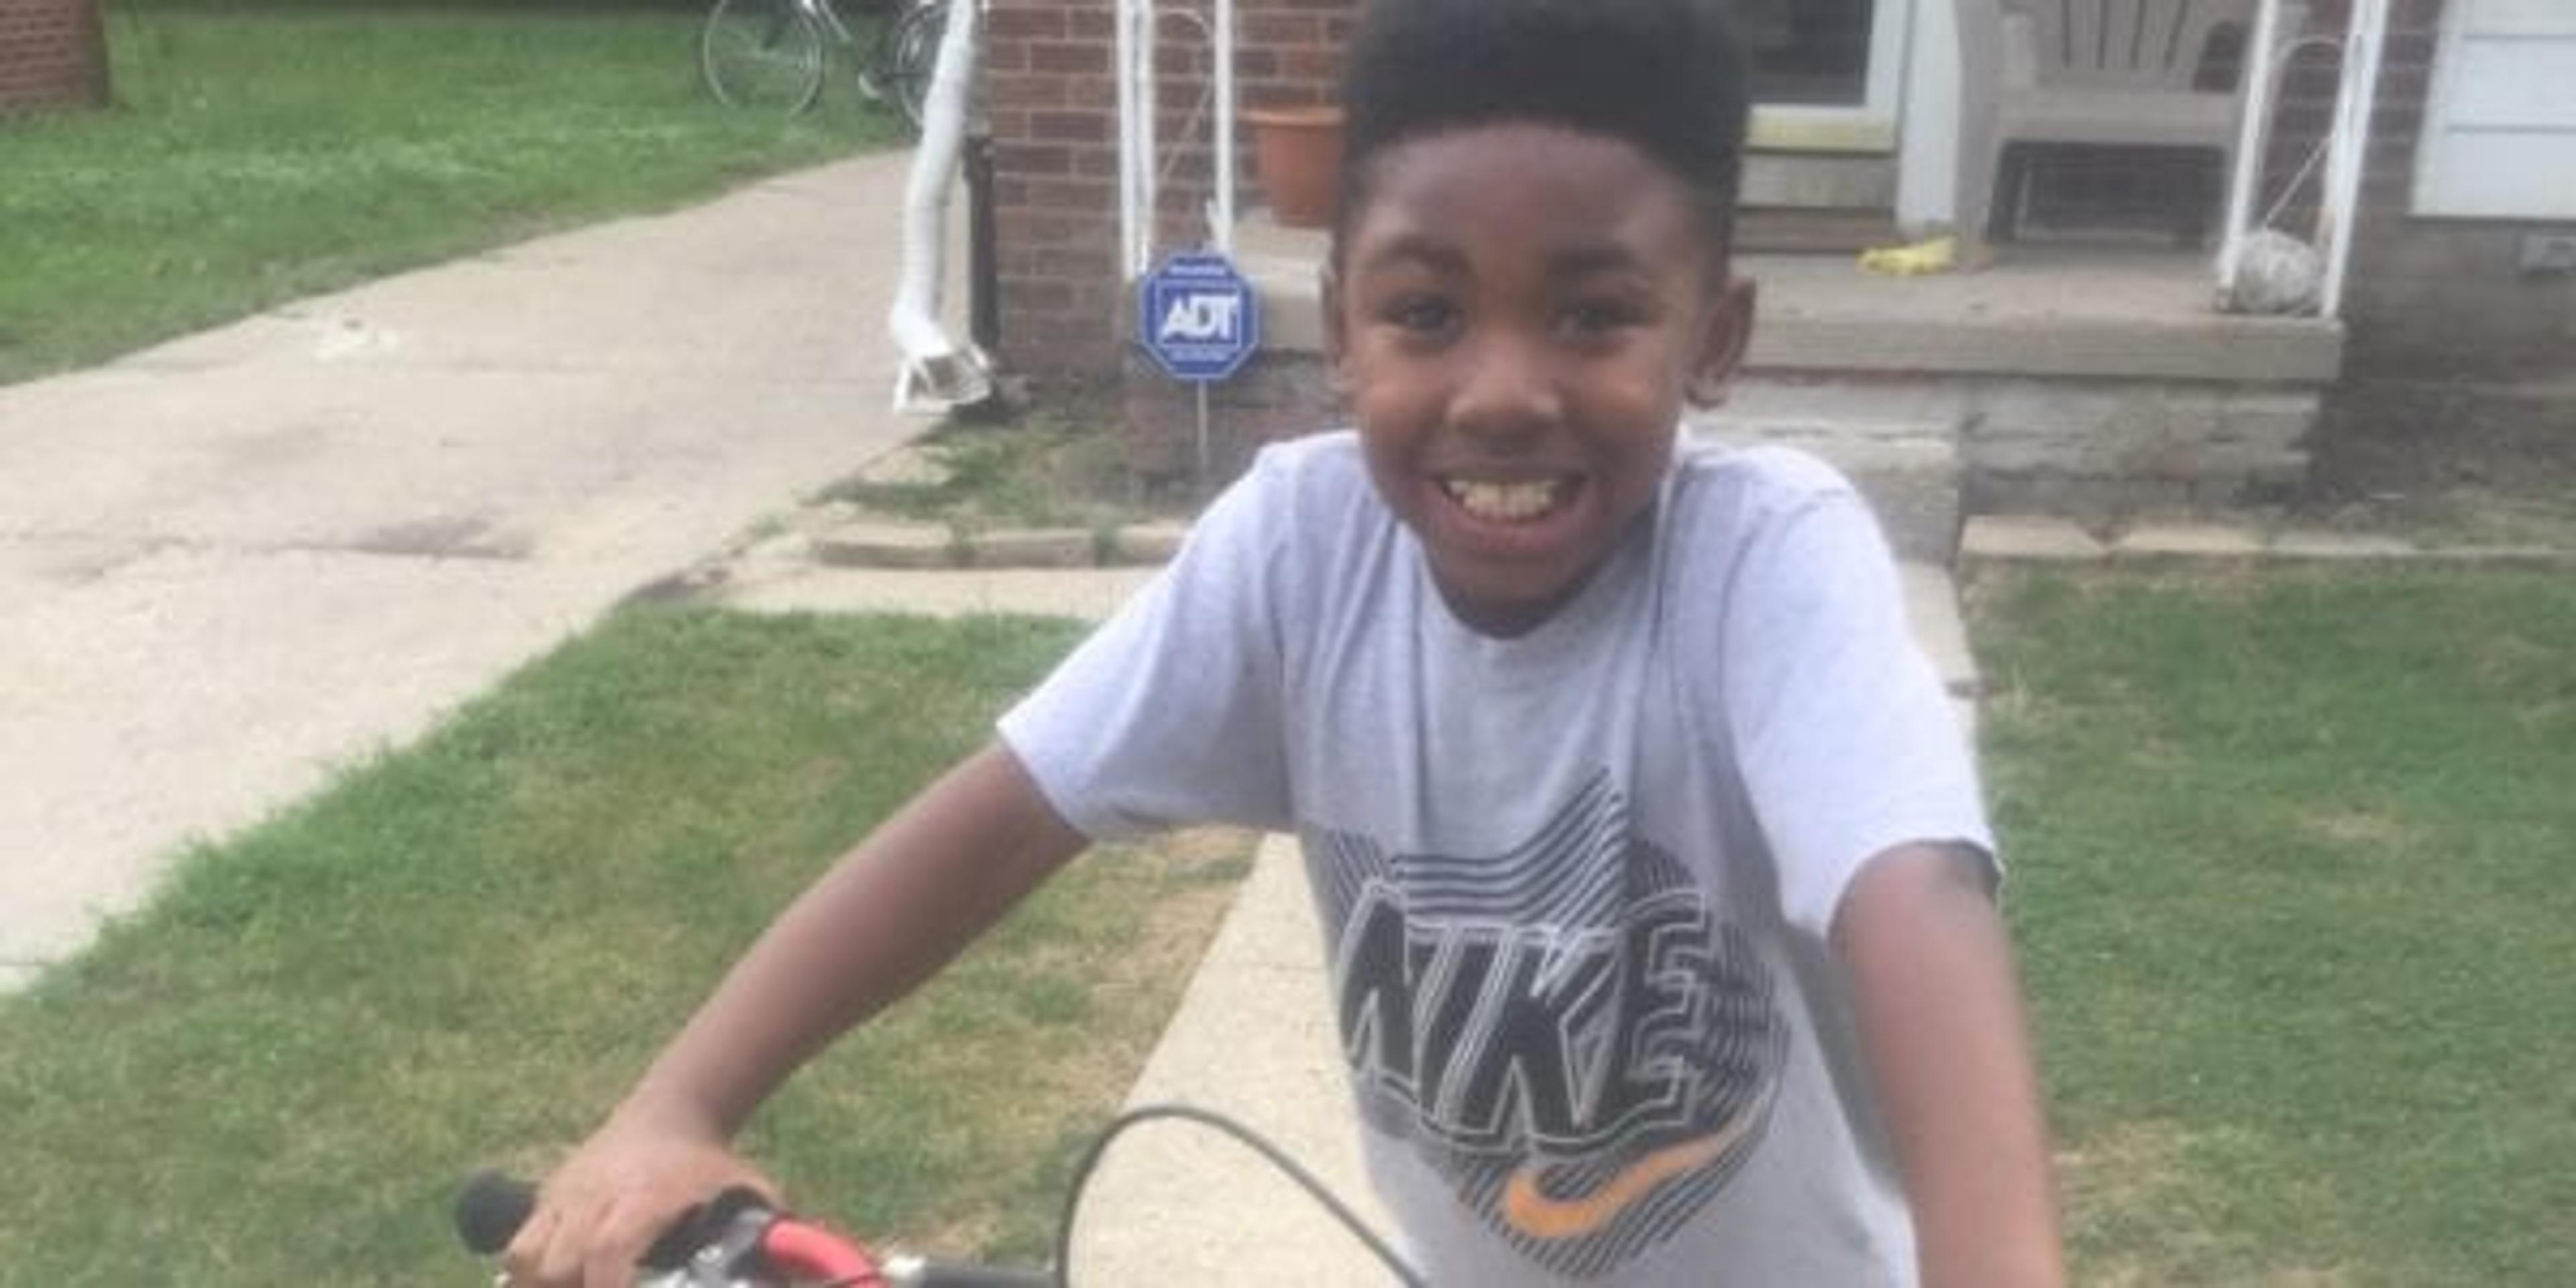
(53, 53)
(2087, 371)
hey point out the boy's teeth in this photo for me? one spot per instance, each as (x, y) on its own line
(1502, 502)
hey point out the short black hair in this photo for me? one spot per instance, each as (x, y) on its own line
(1665, 76)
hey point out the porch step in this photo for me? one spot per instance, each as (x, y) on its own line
(2093, 384)
(1840, 233)
(2058, 312)
(2046, 312)
(1818, 181)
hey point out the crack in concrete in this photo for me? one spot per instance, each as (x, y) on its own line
(384, 543)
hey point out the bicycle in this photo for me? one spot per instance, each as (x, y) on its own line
(735, 1240)
(771, 55)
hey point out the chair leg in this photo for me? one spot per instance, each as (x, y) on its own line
(2012, 194)
(1978, 161)
(2208, 212)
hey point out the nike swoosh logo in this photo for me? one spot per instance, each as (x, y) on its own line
(1533, 1213)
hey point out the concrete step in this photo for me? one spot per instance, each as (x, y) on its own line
(2089, 383)
(2058, 313)
(1762, 230)
(2044, 312)
(2090, 449)
(1818, 181)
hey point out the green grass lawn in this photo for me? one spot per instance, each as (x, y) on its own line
(2292, 880)
(257, 154)
(461, 953)
(2289, 874)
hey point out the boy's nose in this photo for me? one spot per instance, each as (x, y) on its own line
(1504, 391)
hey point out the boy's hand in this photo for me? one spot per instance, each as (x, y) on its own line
(599, 1212)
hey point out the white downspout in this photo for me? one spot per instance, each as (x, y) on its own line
(936, 373)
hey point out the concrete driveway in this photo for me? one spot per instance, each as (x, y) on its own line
(232, 563)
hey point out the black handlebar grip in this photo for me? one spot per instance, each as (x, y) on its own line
(492, 1206)
(490, 1210)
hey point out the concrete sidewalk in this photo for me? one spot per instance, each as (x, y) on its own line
(233, 562)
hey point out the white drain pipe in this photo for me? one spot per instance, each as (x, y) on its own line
(2346, 146)
(937, 374)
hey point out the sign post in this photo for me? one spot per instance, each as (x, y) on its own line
(1201, 321)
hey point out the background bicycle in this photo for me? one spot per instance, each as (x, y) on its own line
(772, 55)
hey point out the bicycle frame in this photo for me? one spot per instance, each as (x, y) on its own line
(831, 18)
(890, 10)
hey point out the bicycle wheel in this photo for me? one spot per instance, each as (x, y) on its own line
(765, 55)
(909, 54)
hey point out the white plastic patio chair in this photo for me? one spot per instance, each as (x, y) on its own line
(2112, 73)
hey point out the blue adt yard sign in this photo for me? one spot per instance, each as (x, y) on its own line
(1198, 317)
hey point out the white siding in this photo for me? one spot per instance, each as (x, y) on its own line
(2522, 17)
(2500, 130)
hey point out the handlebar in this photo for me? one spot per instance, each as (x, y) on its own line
(736, 1237)
(737, 1241)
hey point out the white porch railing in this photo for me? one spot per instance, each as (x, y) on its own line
(1140, 168)
(2347, 145)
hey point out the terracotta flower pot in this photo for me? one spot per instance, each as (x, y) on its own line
(1297, 156)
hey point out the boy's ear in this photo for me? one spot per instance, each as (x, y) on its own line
(1727, 333)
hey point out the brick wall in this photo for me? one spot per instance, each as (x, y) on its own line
(1054, 111)
(1054, 108)
(2425, 299)
(53, 53)
(2442, 299)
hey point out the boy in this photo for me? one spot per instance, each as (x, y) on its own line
(1655, 885)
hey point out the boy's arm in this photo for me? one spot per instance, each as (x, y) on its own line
(887, 916)
(1941, 1021)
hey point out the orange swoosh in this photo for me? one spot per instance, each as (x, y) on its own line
(1537, 1215)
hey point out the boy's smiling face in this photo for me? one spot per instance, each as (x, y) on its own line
(1517, 312)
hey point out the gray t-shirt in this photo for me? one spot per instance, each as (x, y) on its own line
(1576, 884)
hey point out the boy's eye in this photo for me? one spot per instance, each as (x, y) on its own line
(1422, 315)
(1598, 317)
